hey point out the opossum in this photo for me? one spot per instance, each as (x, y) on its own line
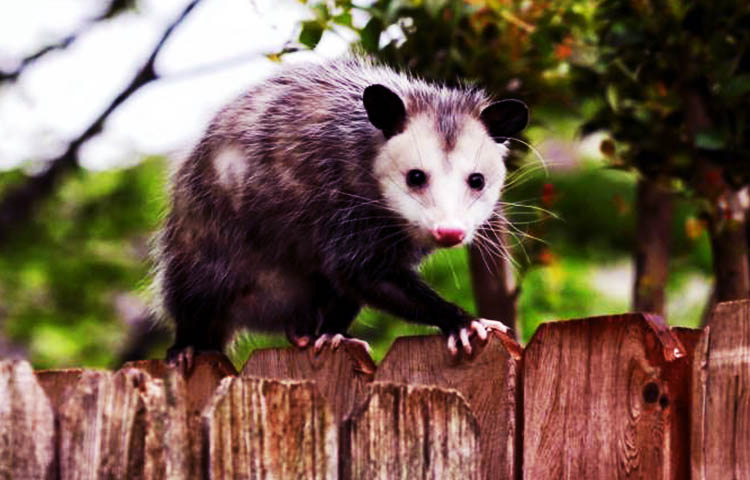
(319, 191)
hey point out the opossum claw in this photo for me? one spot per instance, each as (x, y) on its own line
(465, 342)
(479, 328)
(336, 340)
(452, 344)
(493, 325)
(182, 359)
(362, 343)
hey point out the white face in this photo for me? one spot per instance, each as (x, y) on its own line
(444, 197)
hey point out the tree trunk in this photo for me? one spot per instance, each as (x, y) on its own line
(727, 227)
(495, 290)
(727, 220)
(654, 207)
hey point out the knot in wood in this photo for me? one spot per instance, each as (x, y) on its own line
(650, 392)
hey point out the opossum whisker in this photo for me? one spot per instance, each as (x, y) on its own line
(500, 229)
(477, 153)
(494, 244)
(482, 255)
(518, 177)
(530, 207)
(398, 185)
(416, 145)
(375, 217)
(530, 146)
(480, 244)
(370, 230)
(493, 250)
(513, 229)
(497, 251)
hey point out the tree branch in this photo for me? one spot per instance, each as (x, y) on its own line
(19, 202)
(115, 7)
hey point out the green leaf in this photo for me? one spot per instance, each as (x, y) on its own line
(321, 12)
(613, 98)
(710, 139)
(311, 33)
(370, 35)
(343, 19)
(737, 87)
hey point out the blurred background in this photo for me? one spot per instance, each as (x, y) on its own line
(627, 192)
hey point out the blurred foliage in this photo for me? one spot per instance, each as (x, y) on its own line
(675, 83)
(59, 275)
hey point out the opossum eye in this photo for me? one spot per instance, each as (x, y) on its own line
(476, 181)
(416, 178)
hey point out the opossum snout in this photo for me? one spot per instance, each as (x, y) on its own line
(448, 237)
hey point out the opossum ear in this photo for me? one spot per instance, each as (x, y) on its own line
(385, 110)
(505, 119)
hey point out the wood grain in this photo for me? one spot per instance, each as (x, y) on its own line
(598, 399)
(407, 432)
(58, 383)
(489, 381)
(198, 386)
(678, 375)
(721, 396)
(27, 424)
(201, 382)
(257, 428)
(124, 425)
(341, 376)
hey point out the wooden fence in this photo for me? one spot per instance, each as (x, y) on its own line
(600, 398)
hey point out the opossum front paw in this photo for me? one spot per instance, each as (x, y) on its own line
(181, 358)
(302, 341)
(335, 340)
(476, 328)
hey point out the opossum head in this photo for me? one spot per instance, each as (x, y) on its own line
(444, 181)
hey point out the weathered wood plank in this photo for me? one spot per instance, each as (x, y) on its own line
(27, 424)
(598, 398)
(124, 425)
(407, 432)
(489, 382)
(342, 375)
(679, 377)
(721, 396)
(202, 380)
(58, 383)
(257, 428)
(198, 388)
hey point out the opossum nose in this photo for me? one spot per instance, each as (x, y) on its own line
(448, 237)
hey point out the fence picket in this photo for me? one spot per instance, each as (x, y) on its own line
(620, 396)
(721, 396)
(342, 376)
(598, 399)
(489, 381)
(406, 432)
(123, 425)
(257, 428)
(27, 424)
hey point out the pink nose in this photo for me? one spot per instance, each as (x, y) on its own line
(448, 237)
